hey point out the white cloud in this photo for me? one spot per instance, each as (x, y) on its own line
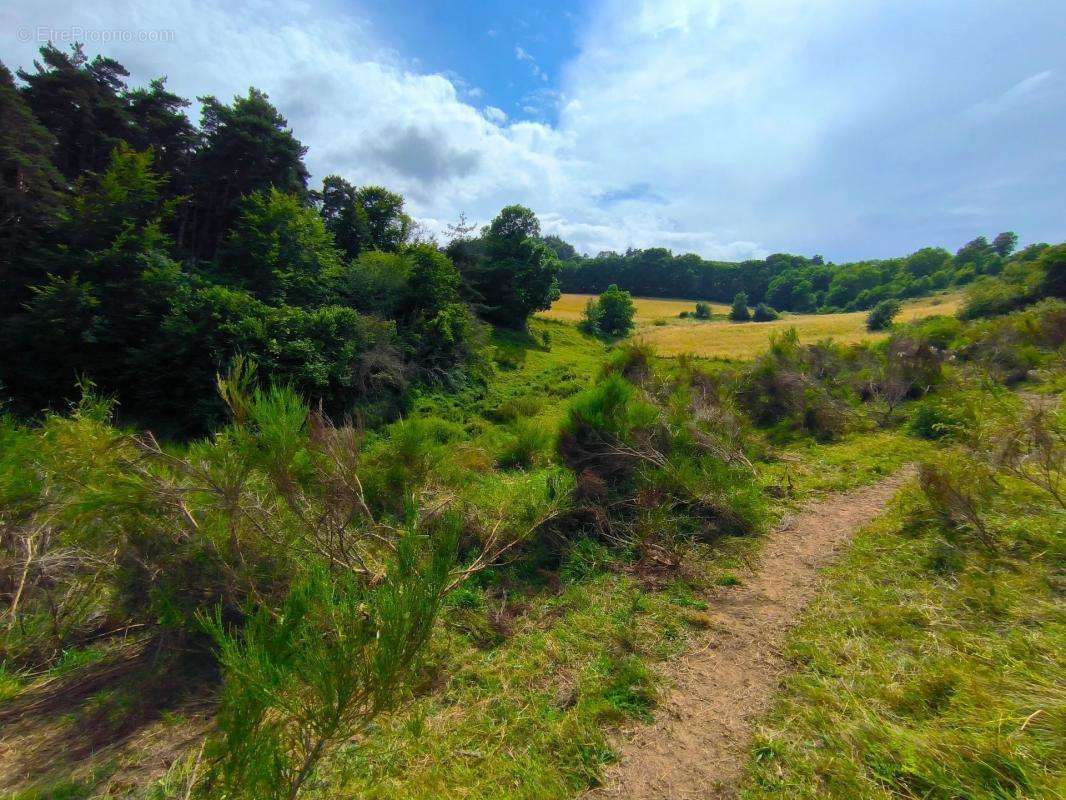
(494, 115)
(727, 127)
(522, 55)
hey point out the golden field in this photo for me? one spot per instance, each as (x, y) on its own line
(719, 338)
(571, 307)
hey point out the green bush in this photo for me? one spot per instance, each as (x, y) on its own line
(739, 311)
(938, 418)
(763, 313)
(882, 315)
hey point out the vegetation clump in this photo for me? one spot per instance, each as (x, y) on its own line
(739, 312)
(611, 314)
(882, 315)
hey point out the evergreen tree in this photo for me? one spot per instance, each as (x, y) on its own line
(31, 196)
(247, 148)
(280, 250)
(370, 218)
(80, 102)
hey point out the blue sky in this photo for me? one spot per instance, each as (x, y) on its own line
(731, 128)
(506, 54)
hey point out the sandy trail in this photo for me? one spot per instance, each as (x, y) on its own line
(698, 745)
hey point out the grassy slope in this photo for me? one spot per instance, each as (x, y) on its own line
(528, 674)
(532, 676)
(929, 670)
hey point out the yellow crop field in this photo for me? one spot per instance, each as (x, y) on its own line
(571, 307)
(724, 339)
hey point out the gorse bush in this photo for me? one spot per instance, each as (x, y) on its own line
(779, 390)
(320, 669)
(882, 315)
(763, 313)
(657, 460)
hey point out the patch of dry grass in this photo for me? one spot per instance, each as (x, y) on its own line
(571, 308)
(724, 339)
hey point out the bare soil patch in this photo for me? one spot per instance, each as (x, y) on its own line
(698, 745)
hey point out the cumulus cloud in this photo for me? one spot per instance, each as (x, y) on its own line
(495, 115)
(728, 127)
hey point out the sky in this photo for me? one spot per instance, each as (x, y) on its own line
(730, 128)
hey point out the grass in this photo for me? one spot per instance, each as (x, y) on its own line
(720, 338)
(929, 669)
(526, 679)
(571, 308)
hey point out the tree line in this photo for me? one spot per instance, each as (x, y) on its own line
(790, 282)
(142, 253)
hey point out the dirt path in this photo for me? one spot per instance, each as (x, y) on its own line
(698, 745)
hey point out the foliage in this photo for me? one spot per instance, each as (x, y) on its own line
(738, 312)
(782, 390)
(763, 313)
(336, 655)
(882, 315)
(610, 314)
(509, 272)
(703, 311)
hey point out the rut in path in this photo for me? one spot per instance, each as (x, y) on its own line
(698, 745)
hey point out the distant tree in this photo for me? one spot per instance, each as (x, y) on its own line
(563, 250)
(590, 318)
(616, 312)
(882, 315)
(515, 274)
(973, 251)
(703, 311)
(1005, 243)
(1053, 262)
(739, 311)
(764, 313)
(927, 261)
(158, 121)
(360, 219)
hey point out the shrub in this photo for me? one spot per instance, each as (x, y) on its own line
(525, 444)
(739, 310)
(938, 418)
(1032, 447)
(611, 314)
(703, 311)
(590, 320)
(882, 315)
(763, 313)
(335, 656)
(990, 297)
(778, 389)
(958, 491)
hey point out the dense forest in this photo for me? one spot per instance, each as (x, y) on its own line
(141, 254)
